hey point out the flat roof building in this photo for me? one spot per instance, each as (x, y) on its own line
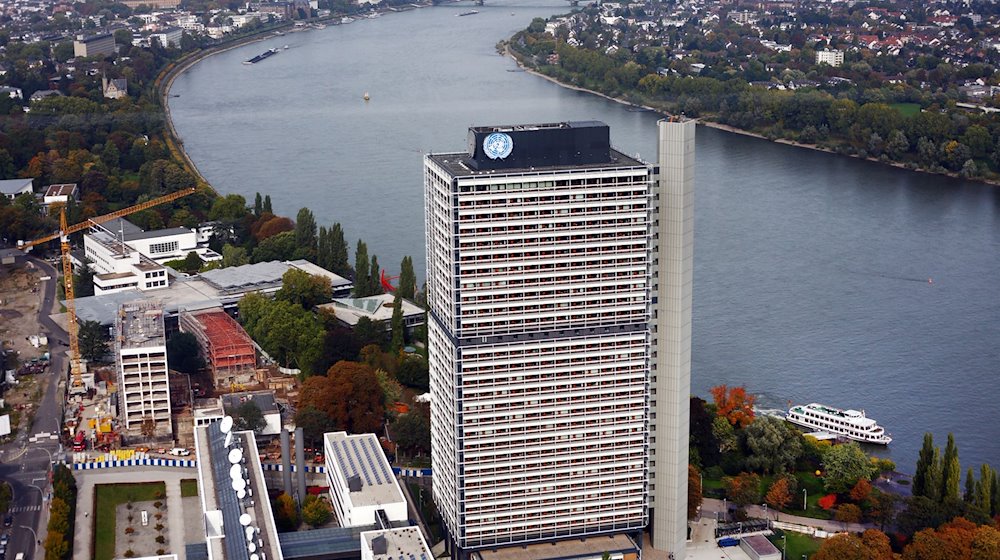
(264, 401)
(349, 311)
(143, 385)
(361, 481)
(94, 45)
(406, 543)
(60, 193)
(238, 521)
(11, 188)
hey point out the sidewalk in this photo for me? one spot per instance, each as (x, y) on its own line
(710, 506)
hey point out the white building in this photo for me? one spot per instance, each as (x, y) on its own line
(12, 188)
(349, 311)
(60, 194)
(390, 544)
(361, 480)
(169, 37)
(544, 279)
(126, 257)
(141, 357)
(833, 58)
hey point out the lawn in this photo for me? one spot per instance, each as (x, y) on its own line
(107, 498)
(799, 545)
(189, 488)
(814, 490)
(906, 109)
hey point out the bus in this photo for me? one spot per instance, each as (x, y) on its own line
(78, 443)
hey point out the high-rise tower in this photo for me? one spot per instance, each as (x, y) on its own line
(542, 281)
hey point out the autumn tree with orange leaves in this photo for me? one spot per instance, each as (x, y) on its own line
(959, 538)
(734, 404)
(871, 545)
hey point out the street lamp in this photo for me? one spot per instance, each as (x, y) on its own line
(783, 546)
(805, 498)
(765, 510)
(725, 511)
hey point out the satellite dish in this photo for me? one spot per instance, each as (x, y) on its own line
(235, 455)
(241, 494)
(227, 424)
(229, 439)
(239, 484)
(251, 547)
(250, 533)
(245, 519)
(254, 557)
(235, 472)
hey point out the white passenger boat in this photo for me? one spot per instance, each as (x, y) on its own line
(852, 424)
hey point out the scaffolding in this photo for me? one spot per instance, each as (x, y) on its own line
(227, 348)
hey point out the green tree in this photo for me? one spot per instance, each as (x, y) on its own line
(277, 247)
(315, 511)
(951, 471)
(775, 446)
(969, 496)
(985, 488)
(743, 489)
(413, 372)
(305, 234)
(725, 434)
(314, 423)
(848, 513)
(844, 465)
(412, 433)
(374, 278)
(338, 252)
(230, 208)
(302, 288)
(287, 332)
(392, 391)
(362, 279)
(234, 256)
(694, 497)
(258, 205)
(267, 205)
(924, 463)
(368, 332)
(285, 515)
(398, 326)
(407, 286)
(83, 282)
(184, 353)
(249, 417)
(93, 338)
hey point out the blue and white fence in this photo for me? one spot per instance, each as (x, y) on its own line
(180, 463)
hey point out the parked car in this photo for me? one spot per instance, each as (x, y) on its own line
(180, 452)
(8, 520)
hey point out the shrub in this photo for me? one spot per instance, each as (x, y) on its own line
(129, 553)
(160, 539)
(129, 530)
(158, 516)
(158, 504)
(827, 502)
(130, 518)
(160, 552)
(159, 526)
(128, 505)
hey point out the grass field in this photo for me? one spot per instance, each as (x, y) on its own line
(189, 488)
(906, 109)
(798, 545)
(107, 498)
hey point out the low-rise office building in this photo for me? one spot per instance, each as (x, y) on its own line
(363, 489)
(94, 45)
(143, 385)
(390, 544)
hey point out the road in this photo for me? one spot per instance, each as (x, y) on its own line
(25, 462)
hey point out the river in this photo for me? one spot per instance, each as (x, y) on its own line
(812, 271)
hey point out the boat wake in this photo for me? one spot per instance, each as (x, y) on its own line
(892, 277)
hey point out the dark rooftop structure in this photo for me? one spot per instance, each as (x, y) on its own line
(535, 147)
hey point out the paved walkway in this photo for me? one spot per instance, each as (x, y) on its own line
(86, 480)
(710, 506)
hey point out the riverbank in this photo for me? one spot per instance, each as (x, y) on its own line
(735, 130)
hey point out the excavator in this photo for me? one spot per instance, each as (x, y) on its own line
(76, 384)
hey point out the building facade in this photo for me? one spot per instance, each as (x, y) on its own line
(833, 58)
(538, 255)
(555, 411)
(94, 45)
(143, 385)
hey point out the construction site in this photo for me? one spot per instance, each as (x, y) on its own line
(228, 351)
(143, 384)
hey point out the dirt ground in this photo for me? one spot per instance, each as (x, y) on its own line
(21, 293)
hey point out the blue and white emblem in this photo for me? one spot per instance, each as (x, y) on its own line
(498, 145)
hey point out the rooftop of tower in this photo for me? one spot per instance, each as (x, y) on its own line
(534, 147)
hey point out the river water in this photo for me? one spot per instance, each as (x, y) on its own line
(811, 270)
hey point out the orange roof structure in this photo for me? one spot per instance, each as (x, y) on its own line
(224, 342)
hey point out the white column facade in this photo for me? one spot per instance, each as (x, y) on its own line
(144, 389)
(539, 288)
(671, 375)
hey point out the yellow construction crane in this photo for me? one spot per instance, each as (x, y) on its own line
(67, 266)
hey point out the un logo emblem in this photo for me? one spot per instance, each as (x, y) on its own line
(498, 145)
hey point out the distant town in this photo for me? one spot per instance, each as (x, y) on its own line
(189, 375)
